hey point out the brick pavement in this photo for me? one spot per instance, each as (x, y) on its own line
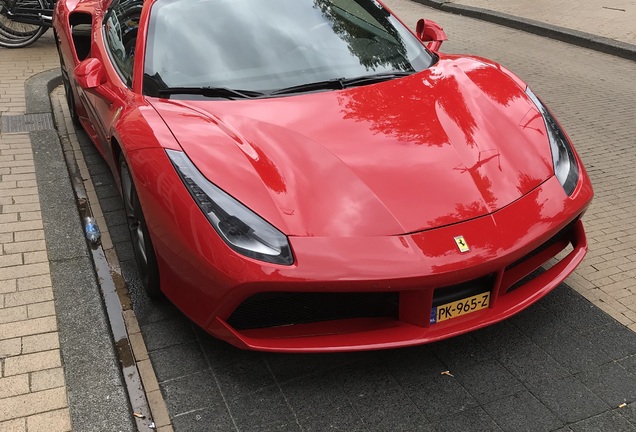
(33, 393)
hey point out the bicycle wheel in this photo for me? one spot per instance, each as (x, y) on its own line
(15, 34)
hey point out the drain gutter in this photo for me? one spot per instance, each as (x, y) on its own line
(130, 372)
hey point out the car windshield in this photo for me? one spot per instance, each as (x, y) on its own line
(269, 45)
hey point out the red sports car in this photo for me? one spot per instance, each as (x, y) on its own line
(310, 175)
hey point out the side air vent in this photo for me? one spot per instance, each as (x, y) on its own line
(81, 26)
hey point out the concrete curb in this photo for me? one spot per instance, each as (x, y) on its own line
(574, 37)
(96, 392)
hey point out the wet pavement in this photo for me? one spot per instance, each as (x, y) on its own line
(563, 364)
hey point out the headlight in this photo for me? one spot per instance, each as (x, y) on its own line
(242, 229)
(565, 166)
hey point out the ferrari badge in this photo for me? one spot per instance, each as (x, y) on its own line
(461, 244)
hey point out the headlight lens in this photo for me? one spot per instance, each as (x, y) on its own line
(565, 166)
(242, 229)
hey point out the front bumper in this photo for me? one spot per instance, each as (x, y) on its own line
(512, 289)
(209, 282)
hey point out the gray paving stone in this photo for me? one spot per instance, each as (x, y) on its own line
(291, 366)
(488, 381)
(570, 348)
(461, 352)
(115, 218)
(519, 354)
(246, 375)
(168, 332)
(612, 383)
(522, 412)
(103, 177)
(220, 353)
(125, 253)
(503, 340)
(419, 372)
(538, 323)
(320, 403)
(614, 339)
(98, 167)
(629, 363)
(119, 233)
(61, 218)
(629, 412)
(106, 191)
(204, 420)
(569, 310)
(93, 158)
(568, 399)
(378, 399)
(263, 410)
(178, 360)
(113, 203)
(474, 420)
(608, 421)
(191, 393)
(532, 365)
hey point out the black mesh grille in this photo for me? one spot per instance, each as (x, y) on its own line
(280, 308)
(536, 273)
(564, 235)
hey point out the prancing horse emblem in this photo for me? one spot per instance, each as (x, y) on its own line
(461, 244)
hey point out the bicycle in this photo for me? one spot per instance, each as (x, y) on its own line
(22, 22)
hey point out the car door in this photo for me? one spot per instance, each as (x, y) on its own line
(119, 35)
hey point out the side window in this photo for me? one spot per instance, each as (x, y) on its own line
(120, 35)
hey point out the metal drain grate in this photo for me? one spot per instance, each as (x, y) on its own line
(26, 123)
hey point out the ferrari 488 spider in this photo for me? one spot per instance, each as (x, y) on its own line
(310, 175)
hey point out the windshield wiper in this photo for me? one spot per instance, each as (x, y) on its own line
(223, 92)
(332, 84)
(371, 79)
(340, 83)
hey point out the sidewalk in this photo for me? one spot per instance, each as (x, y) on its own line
(32, 384)
(57, 367)
(607, 26)
(613, 19)
(57, 362)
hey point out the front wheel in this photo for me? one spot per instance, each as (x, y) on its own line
(141, 243)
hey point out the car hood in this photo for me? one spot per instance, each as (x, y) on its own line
(454, 142)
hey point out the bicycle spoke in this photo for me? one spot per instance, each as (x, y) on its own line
(15, 34)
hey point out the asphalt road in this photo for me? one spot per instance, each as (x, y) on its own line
(561, 365)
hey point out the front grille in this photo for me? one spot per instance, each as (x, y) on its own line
(463, 290)
(536, 273)
(282, 308)
(565, 235)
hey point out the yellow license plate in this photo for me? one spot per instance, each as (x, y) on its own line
(460, 307)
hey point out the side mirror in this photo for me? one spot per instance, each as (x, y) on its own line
(430, 31)
(91, 77)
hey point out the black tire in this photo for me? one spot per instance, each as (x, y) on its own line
(19, 35)
(68, 93)
(141, 243)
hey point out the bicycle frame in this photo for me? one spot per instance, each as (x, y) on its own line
(41, 17)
